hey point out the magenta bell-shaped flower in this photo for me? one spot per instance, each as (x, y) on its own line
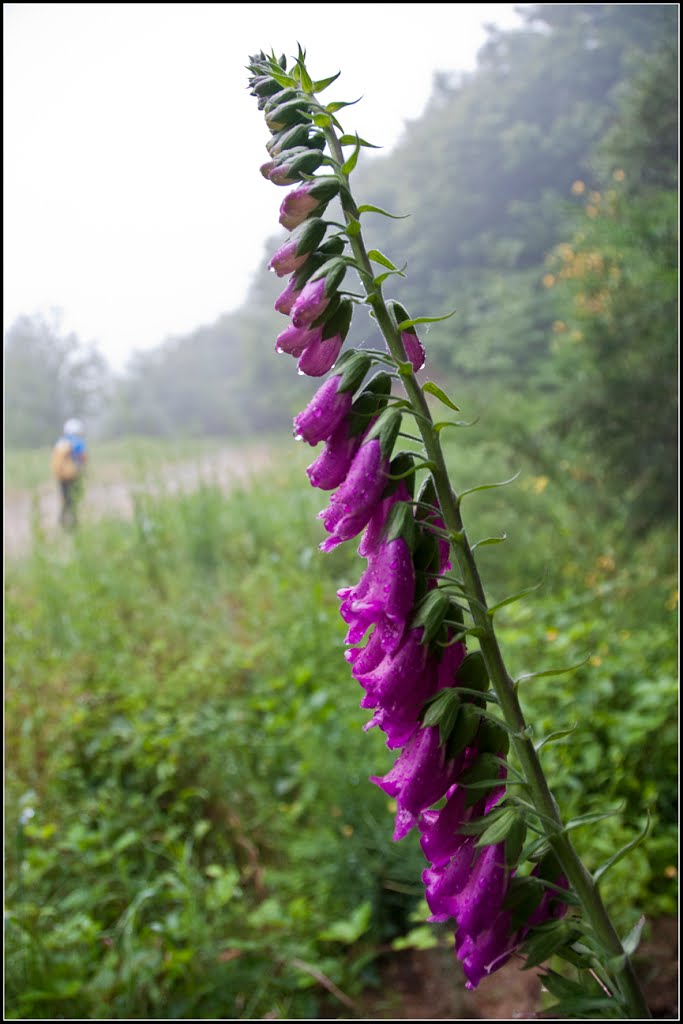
(414, 349)
(324, 412)
(287, 298)
(321, 355)
(295, 340)
(383, 596)
(477, 904)
(297, 206)
(312, 302)
(420, 777)
(331, 467)
(491, 948)
(352, 505)
(285, 260)
(398, 687)
(373, 534)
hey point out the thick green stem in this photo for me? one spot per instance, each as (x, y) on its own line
(584, 887)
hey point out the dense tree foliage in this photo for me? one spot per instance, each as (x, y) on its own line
(49, 376)
(496, 175)
(618, 276)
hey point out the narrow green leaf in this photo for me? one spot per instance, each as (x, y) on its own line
(589, 819)
(353, 140)
(586, 1008)
(488, 487)
(477, 826)
(322, 120)
(378, 257)
(332, 108)
(425, 320)
(555, 736)
(438, 427)
(498, 830)
(512, 598)
(381, 278)
(489, 540)
(323, 83)
(349, 164)
(473, 673)
(561, 987)
(369, 208)
(551, 671)
(632, 940)
(545, 941)
(433, 389)
(353, 228)
(283, 79)
(597, 875)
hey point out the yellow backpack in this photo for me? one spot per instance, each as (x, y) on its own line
(64, 466)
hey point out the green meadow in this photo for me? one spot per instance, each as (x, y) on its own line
(190, 829)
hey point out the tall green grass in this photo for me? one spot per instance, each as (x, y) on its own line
(190, 830)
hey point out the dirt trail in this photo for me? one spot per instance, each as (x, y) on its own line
(225, 468)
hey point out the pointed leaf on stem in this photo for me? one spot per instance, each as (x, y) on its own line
(487, 487)
(512, 598)
(323, 83)
(490, 540)
(425, 320)
(378, 257)
(589, 819)
(555, 736)
(602, 871)
(438, 427)
(353, 140)
(632, 940)
(332, 108)
(551, 671)
(433, 389)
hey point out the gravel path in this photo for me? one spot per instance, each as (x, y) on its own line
(226, 467)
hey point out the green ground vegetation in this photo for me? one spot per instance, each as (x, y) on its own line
(190, 829)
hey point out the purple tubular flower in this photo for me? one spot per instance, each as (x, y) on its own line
(295, 340)
(383, 596)
(398, 678)
(373, 535)
(352, 505)
(324, 412)
(321, 355)
(445, 881)
(297, 206)
(440, 839)
(365, 659)
(285, 261)
(414, 349)
(473, 894)
(287, 298)
(398, 686)
(478, 903)
(266, 168)
(331, 467)
(311, 303)
(492, 948)
(419, 778)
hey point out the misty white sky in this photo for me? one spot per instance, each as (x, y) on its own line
(133, 199)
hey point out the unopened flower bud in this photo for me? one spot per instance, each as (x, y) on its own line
(302, 201)
(288, 114)
(414, 348)
(290, 170)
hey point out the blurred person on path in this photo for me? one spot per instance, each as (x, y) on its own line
(68, 464)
